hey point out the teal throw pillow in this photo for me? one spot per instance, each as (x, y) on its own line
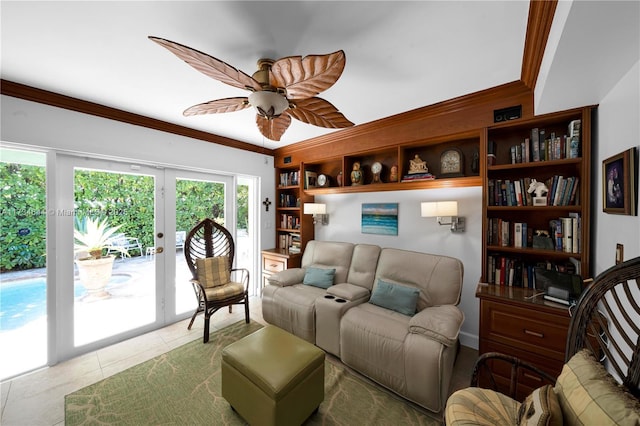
(319, 277)
(399, 298)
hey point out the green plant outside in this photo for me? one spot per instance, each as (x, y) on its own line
(123, 200)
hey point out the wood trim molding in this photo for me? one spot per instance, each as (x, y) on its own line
(541, 14)
(21, 91)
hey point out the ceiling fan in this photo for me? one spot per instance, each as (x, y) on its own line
(279, 89)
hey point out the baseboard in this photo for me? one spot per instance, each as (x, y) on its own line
(469, 340)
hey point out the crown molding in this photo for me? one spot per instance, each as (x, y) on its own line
(539, 22)
(33, 94)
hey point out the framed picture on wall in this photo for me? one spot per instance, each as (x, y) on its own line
(619, 183)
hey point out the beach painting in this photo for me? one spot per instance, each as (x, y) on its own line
(380, 218)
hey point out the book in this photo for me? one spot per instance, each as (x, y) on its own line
(535, 144)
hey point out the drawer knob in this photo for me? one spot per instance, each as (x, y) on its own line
(273, 265)
(533, 333)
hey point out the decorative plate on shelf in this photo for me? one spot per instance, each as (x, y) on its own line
(323, 181)
(451, 163)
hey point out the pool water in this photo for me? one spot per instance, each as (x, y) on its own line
(23, 301)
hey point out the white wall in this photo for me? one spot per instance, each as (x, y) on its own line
(39, 125)
(418, 234)
(618, 130)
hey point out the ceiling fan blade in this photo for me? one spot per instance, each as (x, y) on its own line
(218, 106)
(210, 66)
(306, 77)
(320, 113)
(275, 128)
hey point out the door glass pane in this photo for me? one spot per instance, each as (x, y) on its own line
(244, 236)
(23, 276)
(195, 200)
(114, 213)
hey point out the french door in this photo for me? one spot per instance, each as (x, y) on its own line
(151, 210)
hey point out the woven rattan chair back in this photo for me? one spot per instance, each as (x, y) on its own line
(606, 320)
(208, 239)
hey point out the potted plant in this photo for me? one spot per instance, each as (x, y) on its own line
(92, 238)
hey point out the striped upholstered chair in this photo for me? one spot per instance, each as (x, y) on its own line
(598, 384)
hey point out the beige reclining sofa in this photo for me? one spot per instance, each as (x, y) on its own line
(390, 314)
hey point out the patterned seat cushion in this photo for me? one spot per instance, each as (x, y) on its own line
(224, 291)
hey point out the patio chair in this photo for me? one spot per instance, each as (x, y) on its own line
(209, 250)
(121, 240)
(180, 237)
(600, 378)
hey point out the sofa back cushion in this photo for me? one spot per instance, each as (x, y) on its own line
(439, 278)
(329, 254)
(363, 265)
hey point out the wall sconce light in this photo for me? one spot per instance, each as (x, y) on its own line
(319, 212)
(446, 212)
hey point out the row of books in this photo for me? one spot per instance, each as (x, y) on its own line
(289, 178)
(288, 221)
(291, 241)
(288, 200)
(564, 234)
(514, 272)
(540, 146)
(563, 191)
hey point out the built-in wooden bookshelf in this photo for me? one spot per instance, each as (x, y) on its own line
(293, 228)
(512, 216)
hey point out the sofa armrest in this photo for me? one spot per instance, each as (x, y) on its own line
(439, 323)
(287, 277)
(349, 292)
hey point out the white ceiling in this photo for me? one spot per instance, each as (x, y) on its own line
(400, 55)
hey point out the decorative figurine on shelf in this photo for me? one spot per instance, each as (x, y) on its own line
(393, 176)
(417, 165)
(339, 179)
(541, 191)
(356, 174)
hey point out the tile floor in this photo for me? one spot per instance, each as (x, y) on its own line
(38, 398)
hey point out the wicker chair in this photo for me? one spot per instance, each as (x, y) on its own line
(606, 321)
(206, 240)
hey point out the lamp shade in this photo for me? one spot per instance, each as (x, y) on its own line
(315, 208)
(439, 208)
(268, 104)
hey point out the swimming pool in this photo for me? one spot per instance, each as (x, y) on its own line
(23, 301)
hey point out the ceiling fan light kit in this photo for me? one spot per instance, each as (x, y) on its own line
(268, 104)
(279, 89)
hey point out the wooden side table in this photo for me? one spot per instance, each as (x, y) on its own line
(276, 260)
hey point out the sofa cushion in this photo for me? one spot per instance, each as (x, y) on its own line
(540, 408)
(588, 394)
(439, 278)
(399, 298)
(329, 254)
(213, 271)
(319, 277)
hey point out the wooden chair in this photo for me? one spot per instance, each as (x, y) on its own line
(605, 320)
(206, 240)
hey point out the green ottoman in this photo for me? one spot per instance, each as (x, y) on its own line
(272, 377)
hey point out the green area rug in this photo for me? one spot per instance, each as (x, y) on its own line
(182, 387)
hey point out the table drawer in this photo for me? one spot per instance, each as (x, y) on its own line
(539, 333)
(273, 264)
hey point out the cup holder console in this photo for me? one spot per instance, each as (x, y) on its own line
(328, 296)
(341, 301)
